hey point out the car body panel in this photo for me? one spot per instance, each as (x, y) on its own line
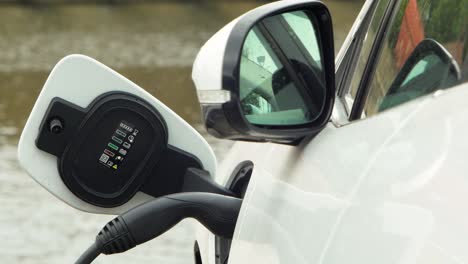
(350, 196)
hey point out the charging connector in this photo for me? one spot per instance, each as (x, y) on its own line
(197, 180)
(218, 213)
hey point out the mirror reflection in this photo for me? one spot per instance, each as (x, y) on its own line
(281, 73)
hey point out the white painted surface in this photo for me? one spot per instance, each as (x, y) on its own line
(79, 80)
(389, 189)
(207, 68)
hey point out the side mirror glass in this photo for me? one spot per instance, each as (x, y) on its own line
(269, 75)
(282, 79)
(429, 68)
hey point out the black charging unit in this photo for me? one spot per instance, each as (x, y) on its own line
(112, 149)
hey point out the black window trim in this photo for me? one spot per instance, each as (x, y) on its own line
(347, 67)
(374, 57)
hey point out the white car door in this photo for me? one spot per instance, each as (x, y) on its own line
(390, 188)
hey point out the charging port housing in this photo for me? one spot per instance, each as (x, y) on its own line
(114, 148)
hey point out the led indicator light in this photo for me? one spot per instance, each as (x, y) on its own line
(123, 152)
(112, 146)
(118, 140)
(104, 158)
(126, 127)
(121, 133)
(110, 153)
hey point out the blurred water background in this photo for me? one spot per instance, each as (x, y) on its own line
(153, 43)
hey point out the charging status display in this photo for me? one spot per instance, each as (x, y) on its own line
(118, 145)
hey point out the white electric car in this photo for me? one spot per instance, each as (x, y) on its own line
(385, 181)
(359, 158)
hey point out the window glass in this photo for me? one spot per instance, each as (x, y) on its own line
(425, 50)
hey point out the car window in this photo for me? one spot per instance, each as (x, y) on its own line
(425, 50)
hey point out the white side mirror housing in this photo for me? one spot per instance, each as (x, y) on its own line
(269, 75)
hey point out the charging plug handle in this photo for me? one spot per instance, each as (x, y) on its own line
(218, 213)
(197, 180)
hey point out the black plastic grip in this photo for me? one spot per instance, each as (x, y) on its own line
(218, 213)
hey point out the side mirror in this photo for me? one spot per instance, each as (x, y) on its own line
(429, 68)
(102, 144)
(270, 74)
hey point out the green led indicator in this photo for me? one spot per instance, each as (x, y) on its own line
(112, 146)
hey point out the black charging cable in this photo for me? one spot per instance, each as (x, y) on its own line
(218, 213)
(89, 255)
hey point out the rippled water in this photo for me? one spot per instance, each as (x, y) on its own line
(153, 45)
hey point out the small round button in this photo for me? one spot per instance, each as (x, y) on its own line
(56, 126)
